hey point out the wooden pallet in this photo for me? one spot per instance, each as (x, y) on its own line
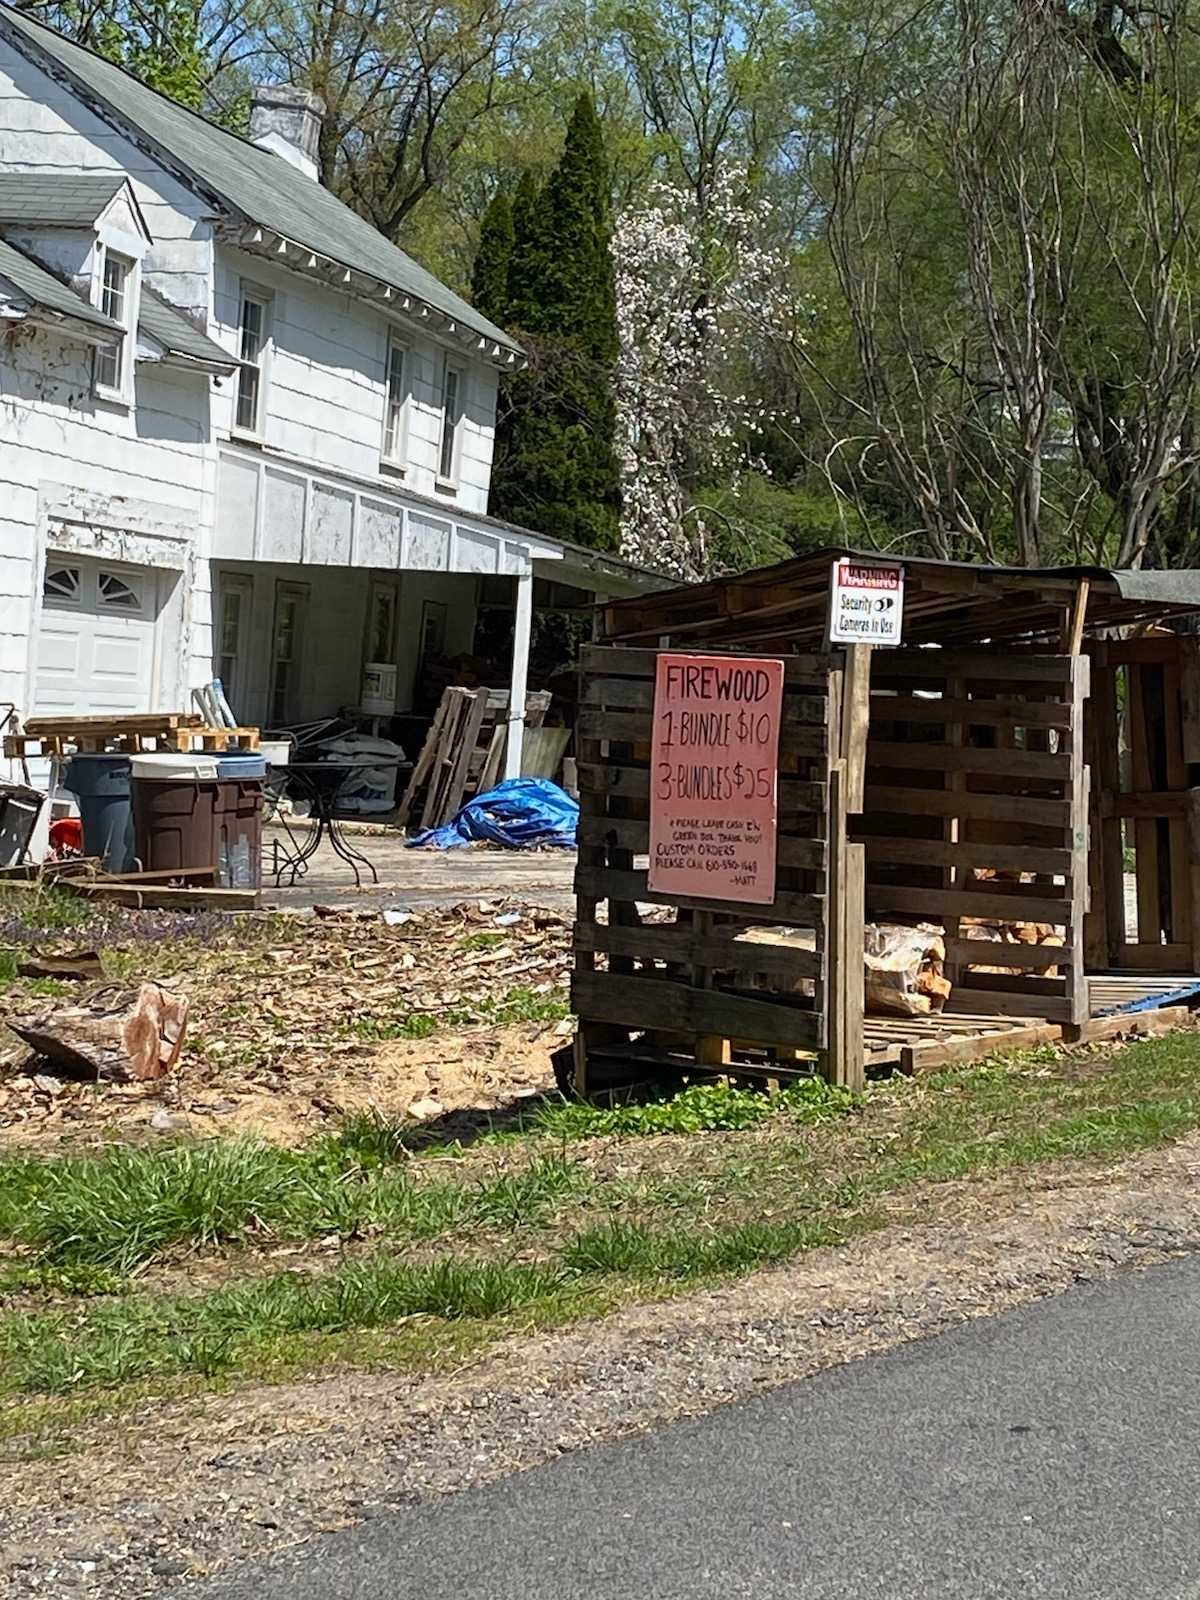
(463, 753)
(1112, 993)
(115, 740)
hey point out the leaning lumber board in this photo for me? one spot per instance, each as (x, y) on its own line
(677, 1008)
(953, 1052)
(130, 894)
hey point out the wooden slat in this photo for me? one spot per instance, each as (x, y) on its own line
(939, 903)
(1155, 957)
(611, 883)
(678, 1008)
(795, 738)
(1056, 1008)
(1009, 666)
(639, 695)
(633, 783)
(622, 661)
(968, 853)
(983, 713)
(633, 833)
(720, 949)
(967, 758)
(1021, 957)
(1149, 805)
(996, 808)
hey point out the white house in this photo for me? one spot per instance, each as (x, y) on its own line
(241, 434)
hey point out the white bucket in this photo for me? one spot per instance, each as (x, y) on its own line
(174, 764)
(278, 752)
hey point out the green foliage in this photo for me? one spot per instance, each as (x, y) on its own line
(704, 1107)
(493, 261)
(555, 468)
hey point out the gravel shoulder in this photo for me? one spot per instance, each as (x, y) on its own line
(180, 1490)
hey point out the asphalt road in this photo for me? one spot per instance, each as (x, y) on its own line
(1052, 1451)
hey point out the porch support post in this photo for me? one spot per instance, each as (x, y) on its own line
(514, 747)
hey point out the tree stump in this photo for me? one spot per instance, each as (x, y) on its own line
(116, 1033)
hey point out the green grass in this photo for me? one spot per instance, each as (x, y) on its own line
(515, 1006)
(119, 1210)
(465, 1252)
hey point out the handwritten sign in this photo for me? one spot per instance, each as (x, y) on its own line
(714, 776)
(866, 602)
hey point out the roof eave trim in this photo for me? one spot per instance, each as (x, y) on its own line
(328, 269)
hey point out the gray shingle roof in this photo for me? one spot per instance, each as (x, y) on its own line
(56, 199)
(175, 333)
(263, 187)
(41, 288)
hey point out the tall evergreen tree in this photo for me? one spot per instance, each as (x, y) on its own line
(556, 468)
(493, 262)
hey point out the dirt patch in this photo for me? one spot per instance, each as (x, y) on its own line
(447, 1011)
(184, 1489)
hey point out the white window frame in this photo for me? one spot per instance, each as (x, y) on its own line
(393, 449)
(299, 592)
(121, 392)
(253, 294)
(451, 430)
(229, 583)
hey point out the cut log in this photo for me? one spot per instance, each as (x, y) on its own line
(117, 1034)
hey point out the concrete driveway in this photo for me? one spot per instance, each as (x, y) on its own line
(421, 877)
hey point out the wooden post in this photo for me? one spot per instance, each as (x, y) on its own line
(856, 722)
(1193, 842)
(522, 627)
(844, 947)
(1075, 971)
(1072, 639)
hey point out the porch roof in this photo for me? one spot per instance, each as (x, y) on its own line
(946, 602)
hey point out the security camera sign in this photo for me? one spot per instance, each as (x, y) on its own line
(866, 602)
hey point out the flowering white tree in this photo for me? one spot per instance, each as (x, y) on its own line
(698, 293)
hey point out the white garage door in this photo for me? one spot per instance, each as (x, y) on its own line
(96, 640)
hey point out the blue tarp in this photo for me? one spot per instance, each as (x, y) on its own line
(520, 813)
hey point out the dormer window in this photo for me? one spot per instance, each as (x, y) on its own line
(112, 371)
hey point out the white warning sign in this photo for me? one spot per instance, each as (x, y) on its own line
(866, 602)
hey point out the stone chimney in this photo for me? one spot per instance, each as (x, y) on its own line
(287, 121)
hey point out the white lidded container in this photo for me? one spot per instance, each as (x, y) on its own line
(175, 764)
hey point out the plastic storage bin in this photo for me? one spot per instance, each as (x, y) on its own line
(174, 812)
(101, 785)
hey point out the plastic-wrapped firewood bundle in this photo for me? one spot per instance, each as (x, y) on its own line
(903, 969)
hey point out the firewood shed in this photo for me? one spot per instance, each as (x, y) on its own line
(1021, 774)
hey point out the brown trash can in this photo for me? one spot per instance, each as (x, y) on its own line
(237, 821)
(173, 822)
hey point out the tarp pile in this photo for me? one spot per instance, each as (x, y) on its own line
(519, 814)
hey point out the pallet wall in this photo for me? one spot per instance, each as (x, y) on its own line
(696, 985)
(1143, 740)
(975, 819)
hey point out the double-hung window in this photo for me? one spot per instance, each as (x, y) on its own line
(112, 368)
(395, 416)
(452, 398)
(253, 333)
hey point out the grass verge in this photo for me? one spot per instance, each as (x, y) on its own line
(567, 1228)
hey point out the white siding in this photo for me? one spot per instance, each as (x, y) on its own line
(327, 383)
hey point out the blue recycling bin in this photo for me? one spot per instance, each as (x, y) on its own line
(100, 783)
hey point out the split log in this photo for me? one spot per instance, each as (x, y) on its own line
(115, 1033)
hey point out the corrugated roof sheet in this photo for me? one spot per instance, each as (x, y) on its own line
(163, 322)
(56, 199)
(262, 186)
(41, 288)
